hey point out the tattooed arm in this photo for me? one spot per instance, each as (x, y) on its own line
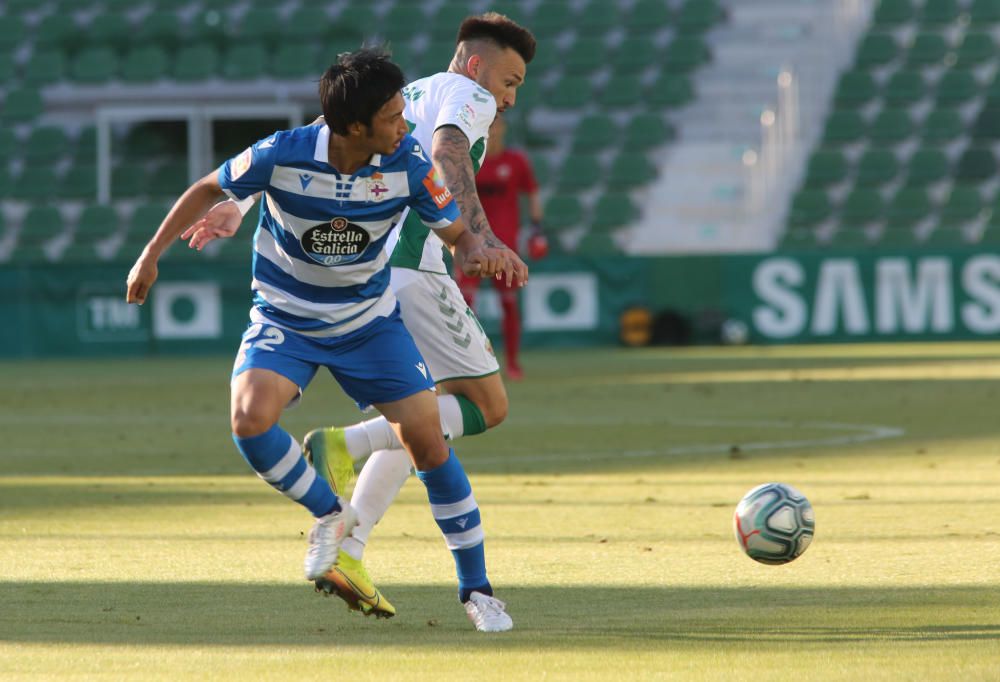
(450, 156)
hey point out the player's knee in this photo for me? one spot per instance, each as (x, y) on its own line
(248, 423)
(494, 410)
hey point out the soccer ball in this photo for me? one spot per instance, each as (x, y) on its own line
(774, 523)
(734, 333)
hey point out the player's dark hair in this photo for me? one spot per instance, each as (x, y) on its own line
(356, 86)
(500, 30)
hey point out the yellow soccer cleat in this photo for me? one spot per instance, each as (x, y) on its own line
(349, 580)
(326, 450)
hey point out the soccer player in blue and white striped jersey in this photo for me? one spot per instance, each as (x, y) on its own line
(321, 286)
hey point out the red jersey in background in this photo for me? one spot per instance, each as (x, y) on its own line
(501, 180)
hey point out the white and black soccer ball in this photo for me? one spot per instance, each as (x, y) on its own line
(734, 332)
(774, 523)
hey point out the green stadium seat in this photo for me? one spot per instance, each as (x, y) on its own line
(244, 62)
(942, 126)
(6, 183)
(613, 210)
(956, 87)
(685, 54)
(446, 20)
(563, 211)
(909, 206)
(893, 12)
(645, 131)
(584, 56)
(58, 30)
(579, 172)
(945, 236)
(630, 171)
(862, 206)
(357, 21)
(976, 48)
(939, 12)
(622, 92)
(20, 105)
(843, 127)
(403, 19)
(308, 23)
(928, 49)
(41, 224)
(850, 238)
(528, 95)
(698, 15)
(634, 55)
(144, 64)
(47, 144)
(891, 127)
(670, 91)
(594, 133)
(548, 20)
(86, 145)
(438, 56)
(9, 146)
(12, 32)
(294, 61)
(798, 238)
(905, 87)
(597, 243)
(94, 65)
(877, 167)
(79, 181)
(210, 27)
(159, 27)
(45, 67)
(35, 183)
(129, 180)
(195, 63)
(169, 179)
(96, 223)
(809, 207)
(596, 16)
(109, 29)
(570, 92)
(261, 26)
(541, 168)
(962, 205)
(7, 67)
(856, 89)
(647, 16)
(927, 166)
(875, 50)
(984, 12)
(826, 167)
(976, 165)
(987, 123)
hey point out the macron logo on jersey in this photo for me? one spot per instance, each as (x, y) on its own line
(305, 179)
(422, 368)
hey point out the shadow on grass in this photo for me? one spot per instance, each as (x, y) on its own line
(228, 614)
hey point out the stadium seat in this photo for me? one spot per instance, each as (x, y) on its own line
(86, 145)
(862, 206)
(622, 92)
(528, 95)
(938, 12)
(563, 211)
(438, 56)
(645, 131)
(109, 29)
(956, 87)
(976, 48)
(446, 20)
(904, 88)
(962, 205)
(399, 23)
(942, 126)
(698, 15)
(798, 239)
(570, 92)
(856, 88)
(58, 30)
(809, 207)
(578, 172)
(976, 165)
(7, 67)
(260, 26)
(94, 65)
(634, 55)
(597, 243)
(845, 237)
(169, 179)
(12, 32)
(843, 127)
(46, 144)
(9, 145)
(875, 50)
(356, 22)
(45, 67)
(945, 236)
(647, 16)
(596, 16)
(685, 54)
(613, 210)
(584, 56)
(294, 61)
(877, 167)
(891, 127)
(670, 91)
(20, 105)
(984, 12)
(35, 183)
(41, 224)
(79, 181)
(928, 49)
(129, 180)
(927, 166)
(244, 62)
(987, 123)
(95, 224)
(630, 171)
(144, 64)
(550, 19)
(158, 28)
(210, 27)
(144, 221)
(893, 12)
(826, 167)
(308, 23)
(195, 62)
(909, 206)
(594, 133)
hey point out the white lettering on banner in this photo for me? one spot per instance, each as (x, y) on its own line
(784, 313)
(187, 310)
(921, 305)
(981, 281)
(561, 302)
(839, 291)
(112, 313)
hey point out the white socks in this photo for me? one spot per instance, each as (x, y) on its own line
(379, 482)
(376, 434)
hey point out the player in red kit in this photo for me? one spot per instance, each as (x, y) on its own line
(506, 175)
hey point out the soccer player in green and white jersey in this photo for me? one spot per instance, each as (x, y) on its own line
(449, 113)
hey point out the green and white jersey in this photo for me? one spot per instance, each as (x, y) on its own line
(440, 100)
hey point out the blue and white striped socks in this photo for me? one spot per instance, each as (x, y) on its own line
(457, 515)
(277, 458)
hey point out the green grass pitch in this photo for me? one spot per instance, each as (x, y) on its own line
(136, 544)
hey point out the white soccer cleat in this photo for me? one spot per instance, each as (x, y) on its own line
(325, 539)
(487, 613)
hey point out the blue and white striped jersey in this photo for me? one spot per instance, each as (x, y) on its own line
(319, 266)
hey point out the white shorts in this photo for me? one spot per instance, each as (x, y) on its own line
(446, 330)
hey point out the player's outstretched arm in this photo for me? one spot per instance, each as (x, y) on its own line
(222, 221)
(450, 156)
(192, 205)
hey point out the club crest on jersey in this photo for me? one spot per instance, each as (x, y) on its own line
(337, 242)
(376, 187)
(435, 186)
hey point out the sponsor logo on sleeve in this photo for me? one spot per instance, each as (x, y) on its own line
(436, 188)
(241, 164)
(467, 115)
